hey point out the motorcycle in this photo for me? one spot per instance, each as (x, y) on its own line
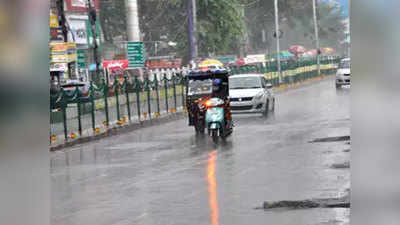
(215, 120)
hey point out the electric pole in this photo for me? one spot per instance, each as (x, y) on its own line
(92, 19)
(316, 36)
(132, 20)
(277, 34)
(192, 29)
(60, 9)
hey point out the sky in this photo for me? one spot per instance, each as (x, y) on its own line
(344, 4)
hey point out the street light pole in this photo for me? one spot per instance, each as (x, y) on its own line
(277, 34)
(93, 18)
(192, 31)
(316, 36)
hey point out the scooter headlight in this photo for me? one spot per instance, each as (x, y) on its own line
(214, 102)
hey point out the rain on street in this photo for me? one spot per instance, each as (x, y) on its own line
(165, 174)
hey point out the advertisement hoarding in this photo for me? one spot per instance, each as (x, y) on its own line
(80, 5)
(62, 52)
(78, 26)
(163, 63)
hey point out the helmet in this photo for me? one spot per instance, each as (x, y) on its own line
(216, 84)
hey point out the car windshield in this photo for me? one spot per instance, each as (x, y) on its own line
(344, 64)
(199, 87)
(244, 82)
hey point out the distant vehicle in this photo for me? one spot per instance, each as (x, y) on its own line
(251, 93)
(70, 87)
(343, 73)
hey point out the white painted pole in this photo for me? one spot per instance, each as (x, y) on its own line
(132, 22)
(316, 37)
(278, 49)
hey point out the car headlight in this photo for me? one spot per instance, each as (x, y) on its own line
(259, 95)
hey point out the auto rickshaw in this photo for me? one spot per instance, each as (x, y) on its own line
(208, 103)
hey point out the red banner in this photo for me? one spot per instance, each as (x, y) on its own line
(81, 5)
(154, 64)
(116, 65)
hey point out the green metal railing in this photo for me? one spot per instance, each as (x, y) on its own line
(292, 71)
(115, 104)
(134, 100)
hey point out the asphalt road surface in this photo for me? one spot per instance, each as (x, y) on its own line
(165, 175)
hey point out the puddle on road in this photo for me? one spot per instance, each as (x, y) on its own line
(344, 165)
(331, 139)
(341, 202)
(212, 188)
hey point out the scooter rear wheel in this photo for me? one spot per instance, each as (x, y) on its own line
(214, 135)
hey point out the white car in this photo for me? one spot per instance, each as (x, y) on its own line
(250, 93)
(343, 73)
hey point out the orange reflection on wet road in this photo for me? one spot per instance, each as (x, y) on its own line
(212, 187)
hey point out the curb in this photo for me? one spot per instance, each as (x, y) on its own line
(286, 87)
(120, 130)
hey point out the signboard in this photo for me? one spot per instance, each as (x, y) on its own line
(56, 34)
(80, 30)
(135, 54)
(81, 58)
(116, 65)
(81, 5)
(53, 21)
(254, 59)
(62, 52)
(163, 63)
(61, 67)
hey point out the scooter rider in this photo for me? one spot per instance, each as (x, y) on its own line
(220, 90)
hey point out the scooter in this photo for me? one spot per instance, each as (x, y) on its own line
(215, 120)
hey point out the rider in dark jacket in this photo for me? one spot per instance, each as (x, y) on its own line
(220, 90)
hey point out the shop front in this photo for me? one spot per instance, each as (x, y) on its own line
(62, 62)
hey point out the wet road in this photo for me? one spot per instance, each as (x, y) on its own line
(165, 175)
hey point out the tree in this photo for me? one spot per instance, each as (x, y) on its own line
(296, 23)
(219, 28)
(113, 19)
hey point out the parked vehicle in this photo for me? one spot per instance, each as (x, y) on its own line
(251, 93)
(83, 87)
(343, 73)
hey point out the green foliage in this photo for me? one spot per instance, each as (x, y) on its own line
(219, 25)
(113, 19)
(296, 20)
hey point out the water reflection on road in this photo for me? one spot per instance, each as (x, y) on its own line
(212, 187)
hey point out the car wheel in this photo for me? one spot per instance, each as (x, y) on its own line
(273, 105)
(265, 113)
(338, 86)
